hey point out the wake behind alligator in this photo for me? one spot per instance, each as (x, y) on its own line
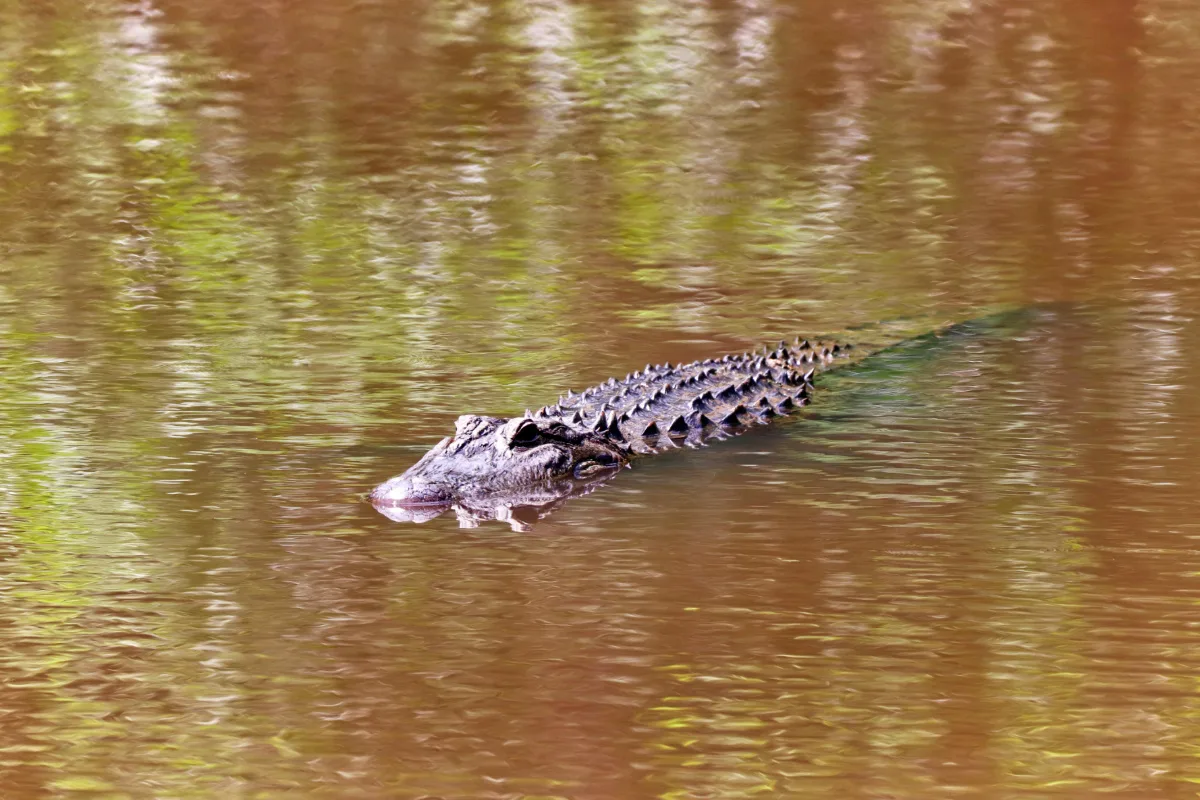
(520, 469)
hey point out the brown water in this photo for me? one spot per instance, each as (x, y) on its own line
(256, 257)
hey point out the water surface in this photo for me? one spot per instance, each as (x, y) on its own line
(256, 258)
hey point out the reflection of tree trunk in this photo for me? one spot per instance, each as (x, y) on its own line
(811, 43)
(1108, 34)
(26, 705)
(1053, 169)
(1107, 70)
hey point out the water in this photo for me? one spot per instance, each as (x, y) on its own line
(256, 259)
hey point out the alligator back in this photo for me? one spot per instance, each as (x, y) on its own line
(664, 404)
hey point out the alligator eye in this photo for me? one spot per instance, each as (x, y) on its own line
(526, 434)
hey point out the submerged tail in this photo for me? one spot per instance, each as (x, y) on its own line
(877, 337)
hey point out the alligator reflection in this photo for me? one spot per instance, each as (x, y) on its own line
(522, 509)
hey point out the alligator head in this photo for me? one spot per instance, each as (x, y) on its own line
(489, 461)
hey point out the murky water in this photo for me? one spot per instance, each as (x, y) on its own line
(256, 257)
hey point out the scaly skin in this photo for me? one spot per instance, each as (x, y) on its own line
(492, 466)
(697, 400)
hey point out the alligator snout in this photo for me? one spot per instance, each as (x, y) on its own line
(404, 490)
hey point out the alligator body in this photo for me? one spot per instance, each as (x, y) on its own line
(493, 467)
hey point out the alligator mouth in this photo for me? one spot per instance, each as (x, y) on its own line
(422, 512)
(409, 508)
(388, 502)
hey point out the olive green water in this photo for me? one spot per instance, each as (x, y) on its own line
(256, 258)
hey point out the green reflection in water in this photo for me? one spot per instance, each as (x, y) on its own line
(253, 261)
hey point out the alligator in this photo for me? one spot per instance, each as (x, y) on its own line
(520, 468)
